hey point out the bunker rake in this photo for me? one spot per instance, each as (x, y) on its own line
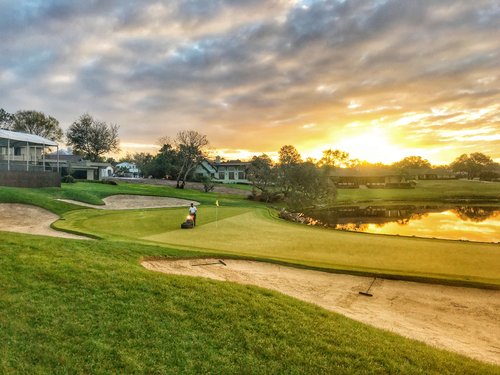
(367, 293)
(220, 261)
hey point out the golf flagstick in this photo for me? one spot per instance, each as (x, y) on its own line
(216, 212)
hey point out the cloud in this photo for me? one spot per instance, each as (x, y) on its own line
(250, 74)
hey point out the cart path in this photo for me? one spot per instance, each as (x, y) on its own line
(463, 320)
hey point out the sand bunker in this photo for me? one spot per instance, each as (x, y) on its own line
(129, 202)
(22, 218)
(463, 320)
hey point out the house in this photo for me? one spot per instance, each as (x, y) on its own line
(23, 160)
(438, 173)
(127, 169)
(353, 178)
(80, 168)
(228, 172)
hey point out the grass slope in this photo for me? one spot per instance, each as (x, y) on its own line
(79, 307)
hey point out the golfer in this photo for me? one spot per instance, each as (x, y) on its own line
(192, 212)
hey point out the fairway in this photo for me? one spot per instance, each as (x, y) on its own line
(257, 233)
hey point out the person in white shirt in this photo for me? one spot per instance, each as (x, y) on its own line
(192, 212)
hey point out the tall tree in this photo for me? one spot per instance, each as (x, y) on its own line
(412, 162)
(310, 186)
(91, 138)
(38, 123)
(191, 149)
(472, 164)
(333, 158)
(167, 161)
(263, 176)
(6, 119)
(289, 159)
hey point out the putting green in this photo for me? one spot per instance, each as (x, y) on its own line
(256, 233)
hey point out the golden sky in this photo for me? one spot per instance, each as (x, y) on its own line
(380, 79)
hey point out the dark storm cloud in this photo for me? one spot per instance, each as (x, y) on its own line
(220, 66)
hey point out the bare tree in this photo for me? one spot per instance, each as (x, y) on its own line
(191, 150)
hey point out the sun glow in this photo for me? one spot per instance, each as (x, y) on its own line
(374, 146)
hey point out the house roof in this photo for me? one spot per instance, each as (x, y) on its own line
(24, 137)
(231, 162)
(364, 172)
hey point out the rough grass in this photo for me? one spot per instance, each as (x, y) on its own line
(81, 307)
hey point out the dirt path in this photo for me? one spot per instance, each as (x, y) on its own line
(23, 218)
(463, 320)
(128, 202)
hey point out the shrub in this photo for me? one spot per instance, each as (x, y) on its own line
(68, 179)
(109, 182)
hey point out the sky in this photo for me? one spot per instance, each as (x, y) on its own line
(381, 79)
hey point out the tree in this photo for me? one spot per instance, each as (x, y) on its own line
(91, 138)
(167, 162)
(263, 176)
(472, 164)
(289, 158)
(38, 123)
(6, 119)
(412, 162)
(191, 148)
(288, 155)
(333, 158)
(309, 186)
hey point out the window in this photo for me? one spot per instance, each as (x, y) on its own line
(231, 175)
(222, 175)
(17, 151)
(241, 175)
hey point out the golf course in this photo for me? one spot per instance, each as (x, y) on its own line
(87, 305)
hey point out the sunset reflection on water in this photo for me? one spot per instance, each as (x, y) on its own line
(451, 224)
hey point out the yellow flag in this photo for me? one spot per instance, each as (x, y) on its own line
(217, 203)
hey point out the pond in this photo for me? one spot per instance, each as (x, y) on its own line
(456, 223)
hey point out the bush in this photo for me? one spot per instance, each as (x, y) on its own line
(68, 179)
(489, 176)
(109, 182)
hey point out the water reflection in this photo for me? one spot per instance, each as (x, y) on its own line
(457, 223)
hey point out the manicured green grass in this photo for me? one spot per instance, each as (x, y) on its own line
(88, 307)
(256, 233)
(425, 191)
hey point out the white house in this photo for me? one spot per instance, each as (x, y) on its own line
(132, 169)
(228, 172)
(80, 168)
(23, 161)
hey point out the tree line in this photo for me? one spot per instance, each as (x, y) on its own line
(177, 158)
